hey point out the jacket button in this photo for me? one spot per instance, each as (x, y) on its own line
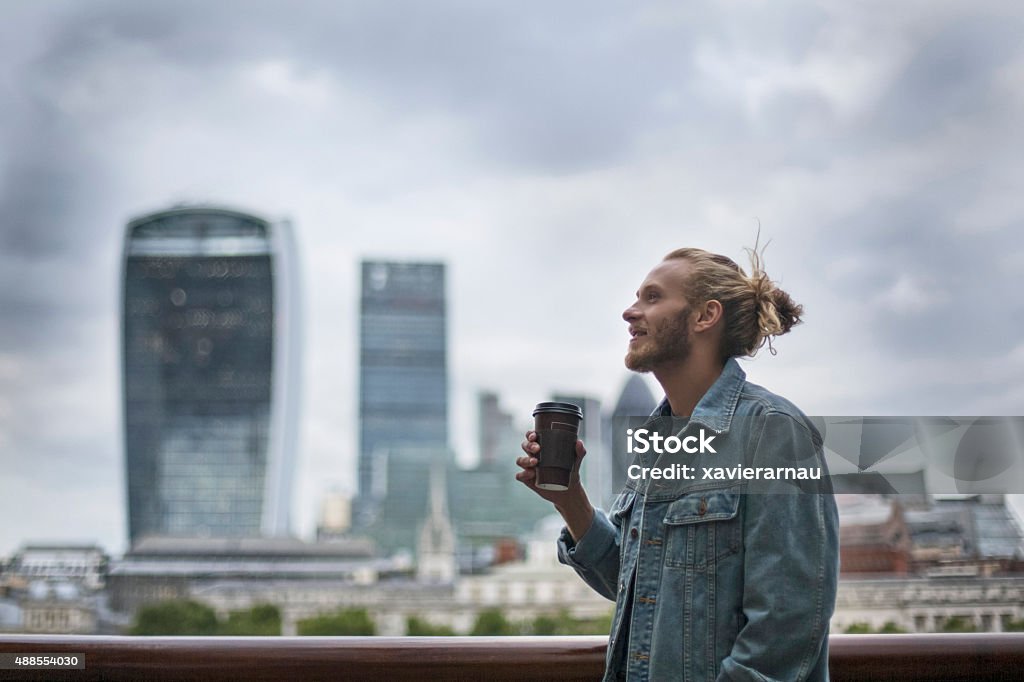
(703, 508)
(633, 533)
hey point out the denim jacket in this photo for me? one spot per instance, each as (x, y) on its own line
(720, 579)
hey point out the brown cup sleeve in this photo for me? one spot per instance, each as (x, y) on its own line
(557, 448)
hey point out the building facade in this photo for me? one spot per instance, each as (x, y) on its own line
(596, 471)
(928, 604)
(210, 372)
(55, 589)
(403, 368)
(635, 400)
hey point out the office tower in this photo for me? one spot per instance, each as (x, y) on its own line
(404, 473)
(210, 371)
(635, 400)
(487, 504)
(596, 473)
(494, 425)
(403, 369)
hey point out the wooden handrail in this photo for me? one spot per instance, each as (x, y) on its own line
(854, 658)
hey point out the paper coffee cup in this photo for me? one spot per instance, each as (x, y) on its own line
(557, 426)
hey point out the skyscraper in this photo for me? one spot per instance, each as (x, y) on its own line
(210, 371)
(596, 471)
(487, 504)
(403, 366)
(493, 425)
(635, 400)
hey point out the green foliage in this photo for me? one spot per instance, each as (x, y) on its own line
(958, 624)
(344, 622)
(1013, 625)
(564, 624)
(415, 627)
(492, 622)
(180, 617)
(260, 620)
(596, 626)
(890, 628)
(547, 625)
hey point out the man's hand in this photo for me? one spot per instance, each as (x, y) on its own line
(572, 504)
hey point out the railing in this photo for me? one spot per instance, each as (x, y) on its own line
(854, 658)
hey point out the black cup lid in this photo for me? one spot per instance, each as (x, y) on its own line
(561, 408)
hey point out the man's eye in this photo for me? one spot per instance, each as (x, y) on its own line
(652, 296)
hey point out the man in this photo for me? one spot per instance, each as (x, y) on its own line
(721, 578)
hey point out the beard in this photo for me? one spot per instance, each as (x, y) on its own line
(670, 342)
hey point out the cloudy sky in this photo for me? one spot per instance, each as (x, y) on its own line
(537, 148)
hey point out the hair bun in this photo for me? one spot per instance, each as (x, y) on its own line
(787, 311)
(777, 312)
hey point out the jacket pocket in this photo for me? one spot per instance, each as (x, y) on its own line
(702, 526)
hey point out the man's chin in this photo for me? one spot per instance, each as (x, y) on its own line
(636, 364)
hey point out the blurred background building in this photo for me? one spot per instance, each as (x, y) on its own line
(56, 588)
(210, 371)
(635, 400)
(596, 471)
(403, 371)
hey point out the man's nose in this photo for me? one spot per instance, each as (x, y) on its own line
(630, 313)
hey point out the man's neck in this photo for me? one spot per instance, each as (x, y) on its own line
(686, 383)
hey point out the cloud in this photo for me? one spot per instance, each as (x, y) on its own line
(910, 295)
(561, 151)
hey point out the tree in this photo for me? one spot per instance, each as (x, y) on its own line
(260, 620)
(416, 627)
(890, 628)
(958, 624)
(596, 626)
(547, 625)
(180, 617)
(858, 629)
(562, 623)
(492, 622)
(1010, 625)
(344, 622)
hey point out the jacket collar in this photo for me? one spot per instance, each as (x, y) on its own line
(716, 408)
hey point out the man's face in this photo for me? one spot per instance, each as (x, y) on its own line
(659, 319)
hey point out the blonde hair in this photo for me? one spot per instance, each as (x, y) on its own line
(755, 310)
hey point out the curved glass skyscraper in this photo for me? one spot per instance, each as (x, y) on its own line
(210, 374)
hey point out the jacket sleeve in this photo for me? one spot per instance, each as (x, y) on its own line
(595, 557)
(791, 563)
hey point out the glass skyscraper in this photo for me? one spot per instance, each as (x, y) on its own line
(210, 371)
(635, 400)
(403, 367)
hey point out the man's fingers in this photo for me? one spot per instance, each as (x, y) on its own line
(526, 475)
(530, 446)
(581, 450)
(526, 462)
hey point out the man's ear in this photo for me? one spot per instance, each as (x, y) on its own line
(708, 315)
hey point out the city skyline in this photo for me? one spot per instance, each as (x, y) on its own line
(549, 161)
